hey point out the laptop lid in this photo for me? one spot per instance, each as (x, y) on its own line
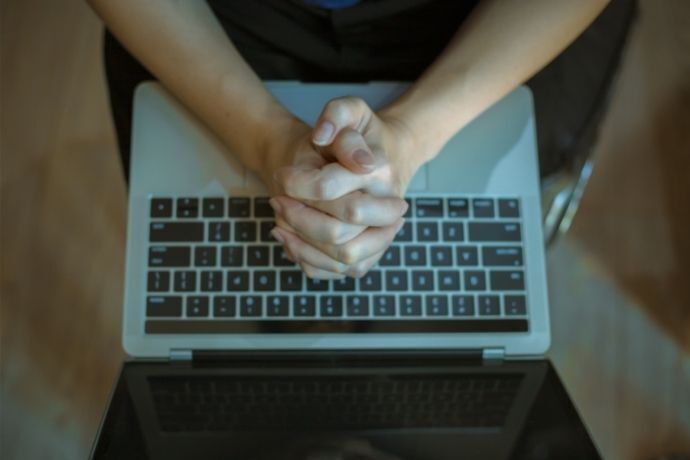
(173, 154)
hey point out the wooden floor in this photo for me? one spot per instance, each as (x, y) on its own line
(620, 280)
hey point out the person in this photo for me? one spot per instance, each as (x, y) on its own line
(337, 188)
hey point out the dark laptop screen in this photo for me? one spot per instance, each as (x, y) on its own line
(419, 411)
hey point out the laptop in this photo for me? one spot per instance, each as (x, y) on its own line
(437, 353)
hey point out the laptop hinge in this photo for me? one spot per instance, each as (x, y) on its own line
(333, 357)
(493, 353)
(177, 354)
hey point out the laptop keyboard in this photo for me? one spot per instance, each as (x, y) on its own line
(343, 402)
(455, 257)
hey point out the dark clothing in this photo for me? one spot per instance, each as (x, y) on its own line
(393, 40)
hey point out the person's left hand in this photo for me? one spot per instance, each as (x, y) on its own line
(333, 221)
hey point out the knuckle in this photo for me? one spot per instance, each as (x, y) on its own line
(347, 254)
(353, 213)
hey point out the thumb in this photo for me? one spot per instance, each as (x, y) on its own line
(338, 132)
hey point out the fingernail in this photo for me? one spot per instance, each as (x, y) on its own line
(275, 233)
(275, 204)
(323, 133)
(364, 158)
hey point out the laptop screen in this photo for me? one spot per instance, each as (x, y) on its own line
(387, 411)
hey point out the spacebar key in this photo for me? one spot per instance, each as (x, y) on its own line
(504, 231)
(176, 231)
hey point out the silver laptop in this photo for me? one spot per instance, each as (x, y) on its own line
(465, 272)
(435, 354)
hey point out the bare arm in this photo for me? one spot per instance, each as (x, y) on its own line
(502, 44)
(184, 46)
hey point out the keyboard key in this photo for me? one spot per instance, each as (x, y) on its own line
(411, 305)
(415, 256)
(291, 280)
(168, 306)
(423, 280)
(427, 231)
(441, 256)
(384, 305)
(224, 306)
(238, 207)
(213, 207)
(219, 231)
(429, 207)
(436, 305)
(331, 306)
(515, 305)
(453, 231)
(158, 281)
(467, 255)
(161, 207)
(371, 281)
(280, 258)
(357, 305)
(237, 281)
(258, 256)
(187, 207)
(232, 256)
(262, 208)
(265, 228)
(489, 305)
(449, 280)
(317, 285)
(250, 306)
(490, 231)
(462, 305)
(495, 256)
(197, 306)
(169, 256)
(212, 281)
(304, 305)
(245, 231)
(278, 305)
(264, 280)
(344, 284)
(508, 207)
(458, 207)
(475, 280)
(483, 207)
(507, 280)
(185, 281)
(396, 280)
(163, 232)
(405, 233)
(205, 256)
(391, 258)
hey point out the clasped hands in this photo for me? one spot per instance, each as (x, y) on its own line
(337, 188)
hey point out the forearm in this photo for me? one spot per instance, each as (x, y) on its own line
(184, 46)
(499, 46)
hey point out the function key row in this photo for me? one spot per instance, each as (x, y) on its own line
(189, 208)
(374, 281)
(334, 306)
(243, 207)
(480, 208)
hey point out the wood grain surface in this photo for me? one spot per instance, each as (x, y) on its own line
(619, 281)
